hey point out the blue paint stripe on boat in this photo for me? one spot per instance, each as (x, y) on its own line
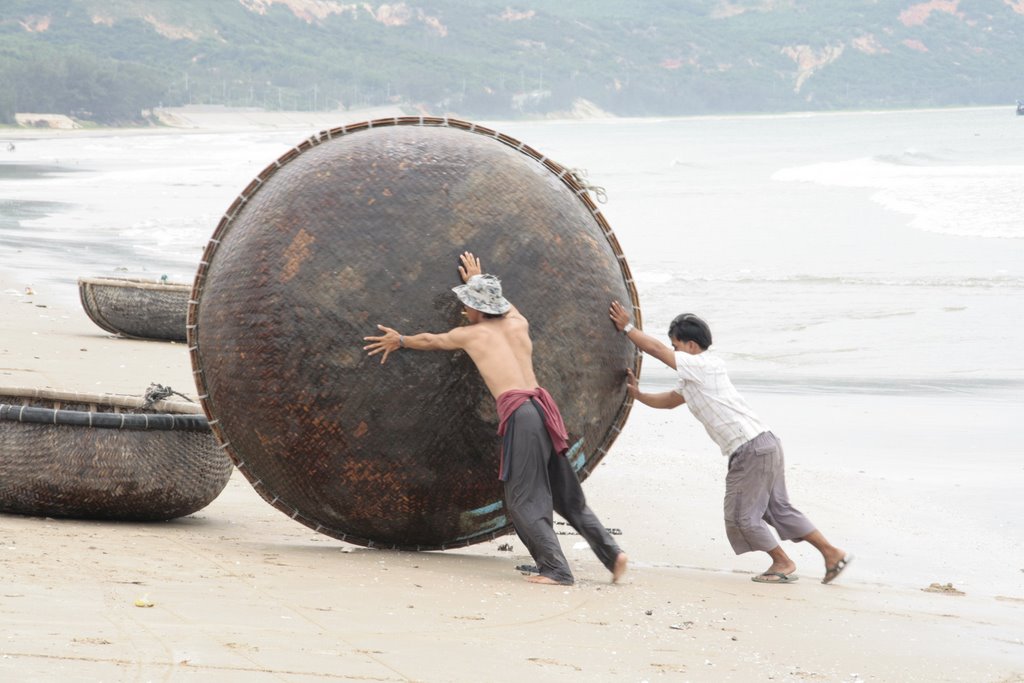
(486, 509)
(577, 458)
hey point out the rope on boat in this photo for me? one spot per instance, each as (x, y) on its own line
(158, 392)
(580, 176)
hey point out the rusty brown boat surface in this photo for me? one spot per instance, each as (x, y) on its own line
(361, 225)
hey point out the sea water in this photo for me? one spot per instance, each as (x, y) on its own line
(885, 249)
(869, 251)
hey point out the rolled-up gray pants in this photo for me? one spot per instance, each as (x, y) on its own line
(755, 496)
(539, 481)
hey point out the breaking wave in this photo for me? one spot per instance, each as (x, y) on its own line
(940, 196)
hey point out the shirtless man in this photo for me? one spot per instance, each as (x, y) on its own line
(536, 474)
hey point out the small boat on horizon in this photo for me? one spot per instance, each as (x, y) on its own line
(136, 308)
(1020, 107)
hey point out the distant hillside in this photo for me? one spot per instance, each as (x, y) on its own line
(107, 60)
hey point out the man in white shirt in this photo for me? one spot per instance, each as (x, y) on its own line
(755, 487)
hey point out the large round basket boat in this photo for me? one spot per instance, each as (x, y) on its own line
(363, 225)
(93, 456)
(131, 307)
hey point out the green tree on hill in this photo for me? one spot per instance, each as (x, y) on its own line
(110, 59)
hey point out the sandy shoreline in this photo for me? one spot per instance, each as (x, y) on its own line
(920, 485)
(242, 593)
(206, 119)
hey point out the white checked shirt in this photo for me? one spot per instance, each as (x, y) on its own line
(711, 397)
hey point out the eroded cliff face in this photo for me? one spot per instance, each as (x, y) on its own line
(158, 16)
(915, 15)
(701, 55)
(34, 24)
(723, 9)
(308, 10)
(808, 60)
(164, 20)
(388, 14)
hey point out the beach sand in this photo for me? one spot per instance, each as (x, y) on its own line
(240, 592)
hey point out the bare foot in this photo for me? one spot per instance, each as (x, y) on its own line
(619, 568)
(544, 580)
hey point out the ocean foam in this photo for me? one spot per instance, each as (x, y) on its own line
(965, 200)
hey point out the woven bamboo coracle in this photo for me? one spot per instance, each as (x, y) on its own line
(93, 456)
(363, 225)
(141, 309)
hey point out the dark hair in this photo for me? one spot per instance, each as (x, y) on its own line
(688, 327)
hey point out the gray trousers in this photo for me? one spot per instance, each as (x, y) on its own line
(540, 481)
(755, 496)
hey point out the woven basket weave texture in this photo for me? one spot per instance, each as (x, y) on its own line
(142, 309)
(162, 463)
(363, 225)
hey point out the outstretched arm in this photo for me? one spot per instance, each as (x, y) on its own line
(392, 340)
(667, 399)
(645, 342)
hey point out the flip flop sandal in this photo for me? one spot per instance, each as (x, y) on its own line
(780, 578)
(835, 570)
